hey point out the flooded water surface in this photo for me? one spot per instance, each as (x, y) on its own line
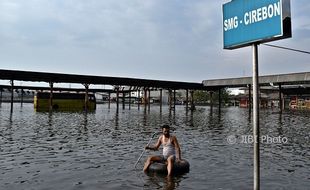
(76, 150)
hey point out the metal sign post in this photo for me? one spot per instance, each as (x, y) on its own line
(256, 117)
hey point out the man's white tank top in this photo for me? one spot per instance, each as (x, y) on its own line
(168, 148)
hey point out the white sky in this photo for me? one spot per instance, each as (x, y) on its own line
(179, 40)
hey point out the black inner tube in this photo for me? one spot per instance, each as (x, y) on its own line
(178, 167)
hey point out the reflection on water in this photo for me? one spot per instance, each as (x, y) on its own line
(157, 181)
(97, 150)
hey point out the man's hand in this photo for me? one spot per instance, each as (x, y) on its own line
(149, 148)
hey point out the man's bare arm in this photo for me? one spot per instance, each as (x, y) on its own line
(177, 147)
(156, 146)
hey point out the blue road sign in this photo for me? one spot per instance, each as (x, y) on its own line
(252, 21)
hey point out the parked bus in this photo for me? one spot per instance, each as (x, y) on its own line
(64, 101)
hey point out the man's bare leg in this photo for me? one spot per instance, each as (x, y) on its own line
(170, 161)
(150, 160)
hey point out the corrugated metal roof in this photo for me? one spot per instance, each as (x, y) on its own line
(88, 79)
(286, 79)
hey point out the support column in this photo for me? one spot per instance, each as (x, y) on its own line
(129, 106)
(220, 98)
(117, 99)
(22, 98)
(186, 100)
(109, 105)
(145, 98)
(174, 99)
(170, 99)
(139, 99)
(51, 96)
(86, 102)
(12, 94)
(149, 100)
(123, 99)
(192, 100)
(280, 98)
(160, 99)
(211, 98)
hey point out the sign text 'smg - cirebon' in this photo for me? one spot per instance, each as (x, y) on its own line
(254, 21)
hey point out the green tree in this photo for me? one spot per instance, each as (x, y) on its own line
(201, 96)
(224, 96)
(205, 96)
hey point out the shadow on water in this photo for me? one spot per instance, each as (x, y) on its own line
(116, 120)
(11, 116)
(50, 119)
(83, 129)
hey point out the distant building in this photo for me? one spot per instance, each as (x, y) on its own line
(293, 97)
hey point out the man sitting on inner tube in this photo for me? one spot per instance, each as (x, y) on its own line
(171, 150)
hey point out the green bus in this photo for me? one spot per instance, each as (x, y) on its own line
(64, 101)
